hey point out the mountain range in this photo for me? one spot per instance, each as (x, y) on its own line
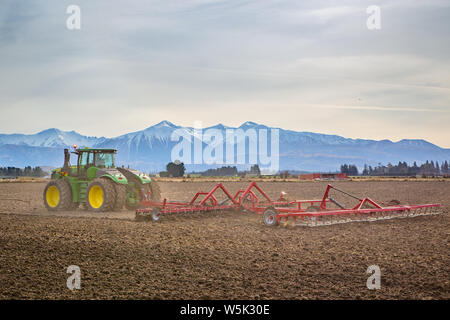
(150, 149)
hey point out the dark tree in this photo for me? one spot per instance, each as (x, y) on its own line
(255, 170)
(444, 168)
(349, 169)
(175, 169)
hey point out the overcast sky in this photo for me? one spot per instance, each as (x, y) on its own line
(311, 66)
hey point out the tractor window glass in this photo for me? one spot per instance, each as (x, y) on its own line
(84, 159)
(104, 160)
(91, 158)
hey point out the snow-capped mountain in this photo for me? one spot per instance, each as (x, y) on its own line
(53, 138)
(150, 149)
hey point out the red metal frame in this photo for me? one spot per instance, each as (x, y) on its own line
(193, 205)
(248, 199)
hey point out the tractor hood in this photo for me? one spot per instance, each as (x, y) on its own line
(113, 174)
(131, 173)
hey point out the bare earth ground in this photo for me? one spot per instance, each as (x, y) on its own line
(228, 255)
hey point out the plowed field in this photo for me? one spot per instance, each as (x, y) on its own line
(229, 255)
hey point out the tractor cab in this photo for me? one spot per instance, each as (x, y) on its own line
(89, 158)
(100, 158)
(94, 158)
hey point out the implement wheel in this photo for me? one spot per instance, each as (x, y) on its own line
(58, 195)
(156, 214)
(270, 217)
(100, 195)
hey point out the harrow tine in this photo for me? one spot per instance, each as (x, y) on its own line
(317, 220)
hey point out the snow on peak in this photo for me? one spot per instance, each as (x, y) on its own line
(249, 124)
(164, 123)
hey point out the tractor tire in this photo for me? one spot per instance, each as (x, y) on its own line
(100, 195)
(270, 217)
(121, 196)
(155, 190)
(58, 195)
(151, 187)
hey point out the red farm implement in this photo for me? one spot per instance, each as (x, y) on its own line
(324, 211)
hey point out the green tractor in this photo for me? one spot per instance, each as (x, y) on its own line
(97, 184)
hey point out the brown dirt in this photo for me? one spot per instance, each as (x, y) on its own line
(228, 255)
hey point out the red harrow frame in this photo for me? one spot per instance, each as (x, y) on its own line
(281, 211)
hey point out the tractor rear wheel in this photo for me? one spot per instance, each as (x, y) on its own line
(152, 188)
(100, 195)
(121, 196)
(58, 195)
(156, 191)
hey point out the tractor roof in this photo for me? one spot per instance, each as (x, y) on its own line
(96, 150)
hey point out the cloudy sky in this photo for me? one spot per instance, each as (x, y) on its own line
(305, 66)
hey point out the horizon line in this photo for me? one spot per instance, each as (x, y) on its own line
(227, 126)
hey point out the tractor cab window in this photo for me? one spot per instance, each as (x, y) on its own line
(87, 159)
(104, 160)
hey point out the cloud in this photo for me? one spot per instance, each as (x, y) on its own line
(327, 13)
(376, 108)
(302, 65)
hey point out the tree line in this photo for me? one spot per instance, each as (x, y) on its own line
(25, 172)
(429, 168)
(220, 172)
(178, 169)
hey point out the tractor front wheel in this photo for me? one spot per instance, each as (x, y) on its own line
(58, 195)
(100, 195)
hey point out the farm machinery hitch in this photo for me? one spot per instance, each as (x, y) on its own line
(282, 211)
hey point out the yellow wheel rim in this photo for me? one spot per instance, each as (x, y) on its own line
(96, 197)
(52, 196)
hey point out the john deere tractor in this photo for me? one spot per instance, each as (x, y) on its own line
(97, 184)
